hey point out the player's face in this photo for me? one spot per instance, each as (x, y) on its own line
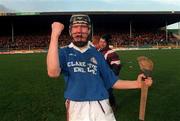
(80, 33)
(102, 43)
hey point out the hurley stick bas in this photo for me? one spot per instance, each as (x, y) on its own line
(146, 66)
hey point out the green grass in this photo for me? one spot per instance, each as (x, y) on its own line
(28, 94)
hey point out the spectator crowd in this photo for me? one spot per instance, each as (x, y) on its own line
(119, 39)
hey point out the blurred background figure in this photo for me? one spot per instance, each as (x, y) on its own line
(113, 61)
(95, 41)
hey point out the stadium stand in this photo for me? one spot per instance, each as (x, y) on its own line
(33, 32)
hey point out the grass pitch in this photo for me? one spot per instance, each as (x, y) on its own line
(28, 94)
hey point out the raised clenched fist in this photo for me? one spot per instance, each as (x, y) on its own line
(57, 28)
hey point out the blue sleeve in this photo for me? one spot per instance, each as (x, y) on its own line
(107, 74)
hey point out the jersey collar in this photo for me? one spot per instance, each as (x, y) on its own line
(71, 45)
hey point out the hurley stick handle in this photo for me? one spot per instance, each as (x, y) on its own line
(144, 93)
(146, 66)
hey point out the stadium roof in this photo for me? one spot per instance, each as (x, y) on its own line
(122, 19)
(138, 19)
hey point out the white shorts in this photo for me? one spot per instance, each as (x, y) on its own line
(89, 111)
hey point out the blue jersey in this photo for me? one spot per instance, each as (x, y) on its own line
(87, 75)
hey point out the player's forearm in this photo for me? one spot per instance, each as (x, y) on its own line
(126, 84)
(53, 58)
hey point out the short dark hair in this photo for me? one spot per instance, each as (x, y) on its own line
(106, 37)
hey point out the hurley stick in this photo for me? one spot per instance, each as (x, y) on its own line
(146, 66)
